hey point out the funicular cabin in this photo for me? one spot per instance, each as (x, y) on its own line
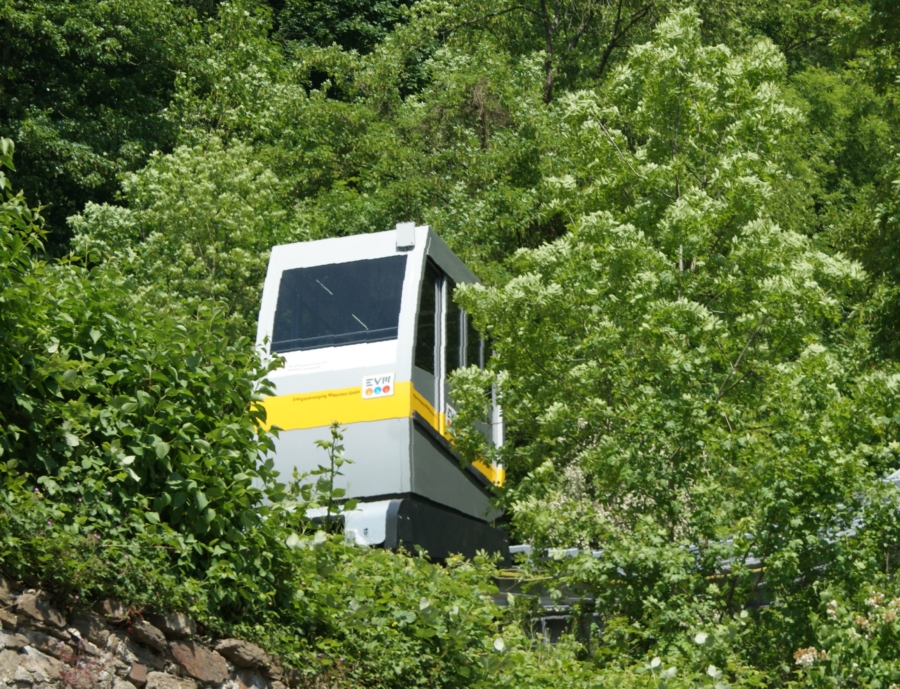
(369, 333)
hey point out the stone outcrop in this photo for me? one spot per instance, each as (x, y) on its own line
(92, 627)
(199, 662)
(176, 625)
(243, 653)
(148, 635)
(112, 609)
(137, 675)
(7, 594)
(30, 605)
(160, 680)
(8, 619)
(111, 647)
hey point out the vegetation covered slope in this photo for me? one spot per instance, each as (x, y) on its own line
(687, 220)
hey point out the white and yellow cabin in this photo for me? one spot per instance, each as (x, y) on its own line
(369, 333)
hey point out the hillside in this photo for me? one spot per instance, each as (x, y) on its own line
(686, 217)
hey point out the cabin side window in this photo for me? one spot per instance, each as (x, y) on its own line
(474, 345)
(426, 325)
(456, 331)
(339, 304)
(464, 344)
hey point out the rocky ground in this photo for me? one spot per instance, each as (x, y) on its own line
(110, 647)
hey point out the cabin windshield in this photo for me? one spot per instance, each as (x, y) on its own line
(339, 304)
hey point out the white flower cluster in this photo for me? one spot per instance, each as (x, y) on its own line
(875, 600)
(805, 657)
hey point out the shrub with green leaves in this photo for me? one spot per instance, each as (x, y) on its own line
(856, 642)
(49, 544)
(123, 411)
(682, 379)
(198, 228)
(133, 465)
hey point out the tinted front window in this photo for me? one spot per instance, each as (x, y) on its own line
(339, 304)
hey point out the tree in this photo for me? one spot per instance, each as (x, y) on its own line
(122, 411)
(810, 33)
(352, 24)
(576, 39)
(198, 229)
(83, 89)
(680, 376)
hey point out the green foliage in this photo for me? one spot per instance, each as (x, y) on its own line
(686, 288)
(879, 246)
(836, 164)
(20, 236)
(352, 24)
(130, 416)
(666, 204)
(677, 346)
(808, 32)
(118, 401)
(575, 40)
(396, 620)
(83, 87)
(876, 40)
(198, 229)
(324, 486)
(681, 129)
(43, 546)
(856, 643)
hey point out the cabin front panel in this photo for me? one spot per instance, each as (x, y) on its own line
(379, 452)
(361, 323)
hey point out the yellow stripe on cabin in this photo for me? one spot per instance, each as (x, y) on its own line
(347, 405)
(495, 474)
(423, 408)
(322, 408)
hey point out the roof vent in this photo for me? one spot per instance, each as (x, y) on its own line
(406, 236)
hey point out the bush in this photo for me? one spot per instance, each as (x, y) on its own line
(133, 466)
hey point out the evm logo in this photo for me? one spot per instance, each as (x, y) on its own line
(381, 385)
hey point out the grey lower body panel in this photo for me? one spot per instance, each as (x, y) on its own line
(378, 452)
(411, 488)
(389, 457)
(438, 476)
